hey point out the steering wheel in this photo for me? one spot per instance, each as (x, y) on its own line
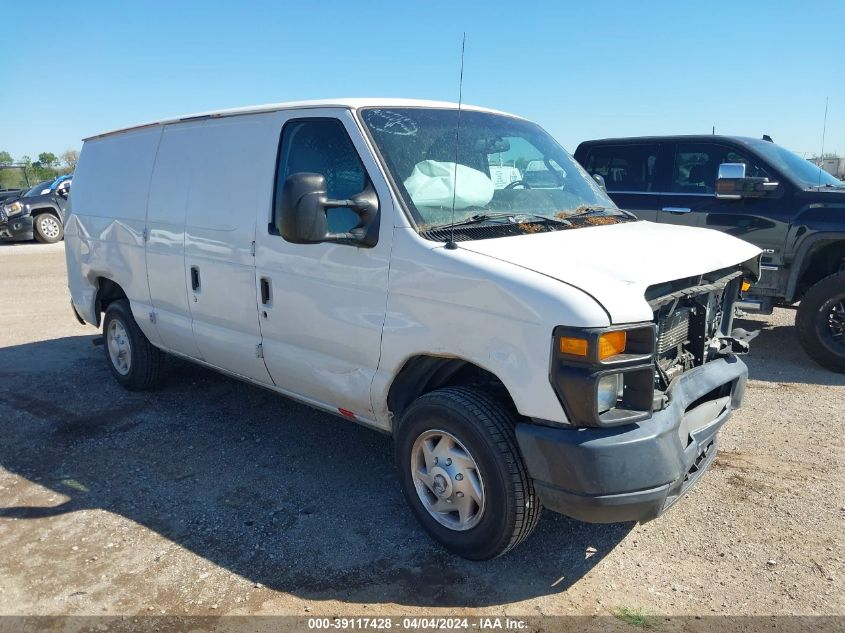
(518, 183)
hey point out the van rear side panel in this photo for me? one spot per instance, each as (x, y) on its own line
(104, 232)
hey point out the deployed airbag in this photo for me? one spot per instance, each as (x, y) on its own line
(435, 184)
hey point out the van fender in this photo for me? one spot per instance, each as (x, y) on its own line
(522, 370)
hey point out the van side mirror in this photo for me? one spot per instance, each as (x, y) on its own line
(732, 183)
(304, 202)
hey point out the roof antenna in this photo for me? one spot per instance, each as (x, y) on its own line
(451, 243)
(824, 130)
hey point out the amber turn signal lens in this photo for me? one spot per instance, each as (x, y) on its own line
(611, 344)
(573, 346)
(745, 285)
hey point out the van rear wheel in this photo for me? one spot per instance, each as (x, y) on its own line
(134, 362)
(462, 474)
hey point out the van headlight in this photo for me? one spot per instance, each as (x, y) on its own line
(604, 376)
(14, 209)
(608, 391)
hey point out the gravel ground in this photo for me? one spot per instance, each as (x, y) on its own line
(209, 496)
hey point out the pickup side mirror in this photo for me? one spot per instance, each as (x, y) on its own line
(600, 179)
(733, 184)
(302, 217)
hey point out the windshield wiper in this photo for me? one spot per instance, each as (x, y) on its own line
(513, 218)
(586, 210)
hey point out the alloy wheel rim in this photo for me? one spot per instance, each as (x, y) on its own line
(120, 351)
(836, 320)
(447, 480)
(49, 227)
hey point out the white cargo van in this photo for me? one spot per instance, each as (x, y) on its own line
(525, 347)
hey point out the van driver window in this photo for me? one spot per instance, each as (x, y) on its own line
(322, 146)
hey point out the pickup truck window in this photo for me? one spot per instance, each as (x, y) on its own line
(493, 165)
(624, 167)
(697, 165)
(806, 173)
(322, 146)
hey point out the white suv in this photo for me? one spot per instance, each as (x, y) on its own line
(525, 347)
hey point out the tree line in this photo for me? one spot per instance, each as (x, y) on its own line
(16, 174)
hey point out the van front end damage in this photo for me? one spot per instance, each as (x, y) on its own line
(633, 465)
(694, 321)
(635, 472)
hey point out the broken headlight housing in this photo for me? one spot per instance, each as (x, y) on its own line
(604, 376)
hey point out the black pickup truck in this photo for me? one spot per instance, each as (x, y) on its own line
(754, 190)
(36, 213)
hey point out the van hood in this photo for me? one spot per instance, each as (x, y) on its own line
(616, 263)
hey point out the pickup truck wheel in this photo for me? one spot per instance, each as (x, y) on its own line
(134, 362)
(821, 322)
(48, 228)
(462, 474)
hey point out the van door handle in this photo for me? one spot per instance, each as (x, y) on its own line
(676, 209)
(195, 278)
(266, 291)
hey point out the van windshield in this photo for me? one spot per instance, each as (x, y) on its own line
(498, 166)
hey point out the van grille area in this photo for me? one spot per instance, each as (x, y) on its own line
(689, 315)
(672, 330)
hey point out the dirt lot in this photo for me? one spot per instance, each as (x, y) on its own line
(209, 496)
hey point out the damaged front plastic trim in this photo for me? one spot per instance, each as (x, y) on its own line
(739, 342)
(634, 473)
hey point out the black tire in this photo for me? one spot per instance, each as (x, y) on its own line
(144, 370)
(48, 228)
(813, 322)
(485, 427)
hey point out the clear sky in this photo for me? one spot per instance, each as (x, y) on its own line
(581, 69)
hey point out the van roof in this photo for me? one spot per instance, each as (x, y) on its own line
(352, 104)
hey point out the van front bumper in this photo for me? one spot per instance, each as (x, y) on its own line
(635, 472)
(16, 228)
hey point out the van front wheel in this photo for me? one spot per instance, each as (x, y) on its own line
(462, 474)
(134, 362)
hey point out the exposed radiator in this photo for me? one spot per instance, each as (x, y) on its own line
(673, 330)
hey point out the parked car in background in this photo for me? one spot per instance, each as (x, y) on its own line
(36, 213)
(541, 174)
(524, 347)
(755, 190)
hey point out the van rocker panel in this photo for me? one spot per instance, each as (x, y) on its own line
(636, 472)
